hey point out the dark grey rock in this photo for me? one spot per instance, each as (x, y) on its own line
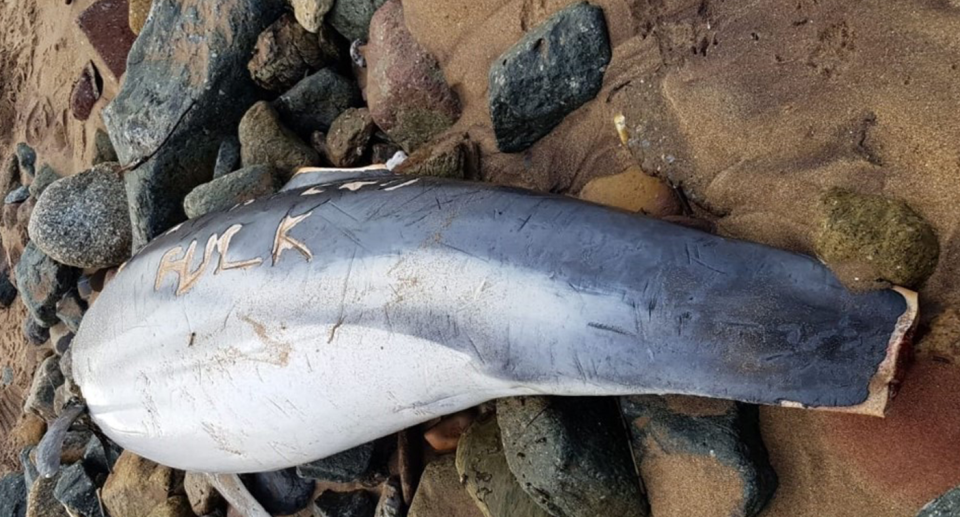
(947, 505)
(76, 491)
(46, 380)
(234, 188)
(345, 467)
(13, 496)
(17, 195)
(84, 287)
(99, 457)
(186, 87)
(70, 310)
(358, 503)
(30, 473)
(265, 141)
(42, 281)
(351, 18)
(723, 432)
(571, 456)
(83, 220)
(553, 70)
(280, 492)
(8, 291)
(63, 343)
(44, 178)
(228, 157)
(316, 101)
(35, 333)
(28, 159)
(103, 150)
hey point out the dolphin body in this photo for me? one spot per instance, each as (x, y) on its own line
(297, 326)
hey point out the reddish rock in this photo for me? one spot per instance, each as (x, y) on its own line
(444, 436)
(107, 26)
(86, 92)
(408, 96)
(453, 156)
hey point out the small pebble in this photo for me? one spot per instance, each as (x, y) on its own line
(18, 195)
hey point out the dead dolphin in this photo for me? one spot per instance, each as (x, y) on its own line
(297, 326)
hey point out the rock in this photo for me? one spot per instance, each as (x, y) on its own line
(13, 496)
(634, 191)
(186, 90)
(62, 343)
(318, 141)
(349, 137)
(99, 457)
(139, 11)
(483, 468)
(44, 178)
(40, 499)
(234, 188)
(10, 175)
(13, 232)
(310, 13)
(383, 152)
(77, 492)
(17, 195)
(351, 18)
(75, 445)
(103, 148)
(440, 493)
(42, 282)
(86, 92)
(136, 486)
(265, 141)
(45, 382)
(406, 91)
(83, 220)
(281, 492)
(553, 70)
(866, 239)
(358, 503)
(286, 52)
(173, 507)
(203, 497)
(345, 467)
(35, 333)
(228, 157)
(453, 157)
(8, 291)
(6, 378)
(445, 435)
(30, 473)
(690, 445)
(947, 505)
(27, 159)
(70, 310)
(29, 430)
(107, 26)
(391, 499)
(570, 455)
(316, 101)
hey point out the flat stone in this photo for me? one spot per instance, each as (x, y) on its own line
(265, 141)
(689, 445)
(40, 499)
(286, 52)
(351, 18)
(228, 157)
(409, 98)
(13, 496)
(17, 195)
(76, 491)
(137, 485)
(349, 137)
(358, 503)
(345, 467)
(45, 177)
(103, 148)
(203, 497)
(483, 468)
(227, 191)
(83, 220)
(634, 191)
(86, 92)
(70, 310)
(186, 89)
(27, 159)
(553, 70)
(440, 493)
(281, 492)
(310, 13)
(42, 282)
(107, 27)
(45, 382)
(316, 101)
(947, 505)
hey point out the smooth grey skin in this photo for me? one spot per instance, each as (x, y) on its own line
(48, 451)
(394, 300)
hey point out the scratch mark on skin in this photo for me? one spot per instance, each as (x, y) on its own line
(610, 328)
(312, 191)
(344, 212)
(476, 350)
(282, 241)
(467, 253)
(395, 187)
(343, 298)
(217, 435)
(281, 348)
(356, 185)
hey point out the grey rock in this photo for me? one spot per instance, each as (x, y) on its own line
(76, 491)
(13, 496)
(348, 466)
(310, 13)
(234, 188)
(571, 456)
(553, 70)
(6, 377)
(30, 473)
(44, 178)
(351, 18)
(186, 87)
(62, 343)
(70, 310)
(103, 150)
(667, 430)
(265, 141)
(358, 503)
(286, 52)
(83, 220)
(46, 380)
(349, 137)
(42, 281)
(316, 101)
(35, 333)
(28, 160)
(17, 195)
(8, 291)
(228, 157)
(947, 505)
(99, 456)
(280, 492)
